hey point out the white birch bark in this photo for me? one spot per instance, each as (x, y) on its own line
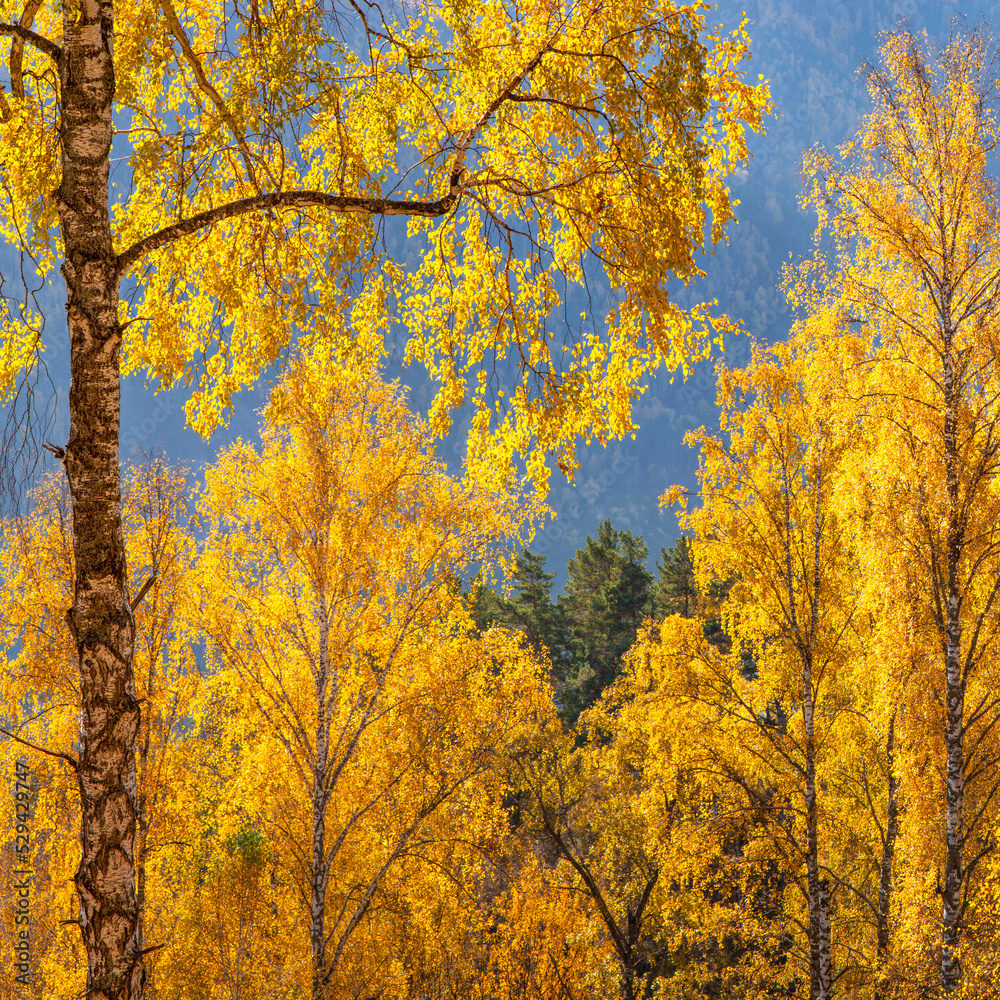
(951, 893)
(820, 956)
(320, 866)
(882, 935)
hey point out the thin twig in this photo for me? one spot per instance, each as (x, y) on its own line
(142, 593)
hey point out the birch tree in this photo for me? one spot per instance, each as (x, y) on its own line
(39, 689)
(768, 523)
(914, 271)
(328, 591)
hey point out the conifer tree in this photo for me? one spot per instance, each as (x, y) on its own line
(532, 611)
(676, 591)
(608, 595)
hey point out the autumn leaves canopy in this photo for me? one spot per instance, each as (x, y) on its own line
(342, 753)
(268, 147)
(259, 151)
(851, 503)
(297, 768)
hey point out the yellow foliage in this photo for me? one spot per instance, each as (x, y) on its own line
(40, 688)
(561, 133)
(369, 724)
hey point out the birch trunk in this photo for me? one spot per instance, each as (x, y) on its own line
(820, 957)
(320, 797)
(951, 894)
(820, 971)
(145, 807)
(888, 849)
(882, 934)
(101, 619)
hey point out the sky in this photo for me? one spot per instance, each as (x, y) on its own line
(811, 53)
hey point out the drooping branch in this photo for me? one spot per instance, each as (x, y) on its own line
(53, 51)
(288, 199)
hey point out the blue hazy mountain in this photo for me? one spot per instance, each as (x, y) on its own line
(811, 53)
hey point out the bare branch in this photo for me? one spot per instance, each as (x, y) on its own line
(142, 593)
(17, 49)
(34, 746)
(206, 87)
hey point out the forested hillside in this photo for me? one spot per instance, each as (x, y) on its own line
(317, 726)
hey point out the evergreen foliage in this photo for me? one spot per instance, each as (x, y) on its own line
(676, 590)
(608, 595)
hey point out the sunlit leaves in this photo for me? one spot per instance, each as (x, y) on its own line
(370, 722)
(575, 136)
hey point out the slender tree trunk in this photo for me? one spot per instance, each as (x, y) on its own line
(882, 933)
(882, 938)
(820, 957)
(142, 819)
(825, 955)
(951, 894)
(629, 945)
(141, 852)
(100, 620)
(628, 982)
(820, 961)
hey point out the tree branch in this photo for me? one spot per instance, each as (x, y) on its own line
(142, 593)
(26, 20)
(319, 199)
(621, 945)
(60, 453)
(288, 199)
(32, 38)
(458, 165)
(51, 753)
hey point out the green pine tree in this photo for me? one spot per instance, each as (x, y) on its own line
(529, 611)
(676, 591)
(608, 596)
